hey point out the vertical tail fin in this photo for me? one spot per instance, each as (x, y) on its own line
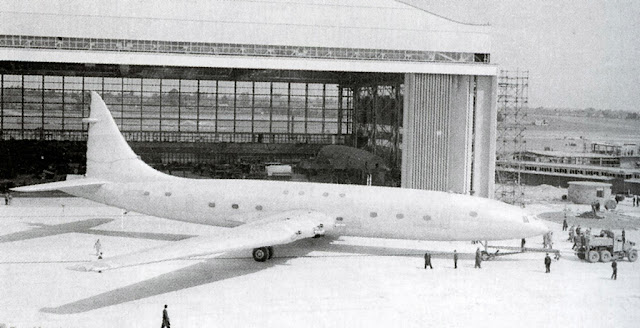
(108, 153)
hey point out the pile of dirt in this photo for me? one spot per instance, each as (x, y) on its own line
(543, 193)
(609, 220)
(589, 215)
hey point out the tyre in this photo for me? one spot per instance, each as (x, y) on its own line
(593, 256)
(485, 256)
(270, 249)
(633, 255)
(581, 255)
(605, 256)
(260, 254)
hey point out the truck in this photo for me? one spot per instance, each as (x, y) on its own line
(605, 247)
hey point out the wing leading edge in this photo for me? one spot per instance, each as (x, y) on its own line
(279, 229)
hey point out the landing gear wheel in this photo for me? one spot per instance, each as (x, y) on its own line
(486, 256)
(593, 256)
(633, 256)
(261, 254)
(270, 249)
(605, 256)
(581, 256)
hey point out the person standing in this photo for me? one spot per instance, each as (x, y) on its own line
(165, 318)
(478, 259)
(97, 247)
(623, 237)
(634, 201)
(522, 242)
(547, 263)
(565, 225)
(427, 260)
(572, 233)
(614, 266)
(455, 259)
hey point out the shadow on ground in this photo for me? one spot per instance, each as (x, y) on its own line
(232, 265)
(84, 226)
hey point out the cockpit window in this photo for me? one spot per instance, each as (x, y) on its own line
(473, 214)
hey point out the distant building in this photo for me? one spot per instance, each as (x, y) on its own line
(624, 149)
(559, 168)
(587, 192)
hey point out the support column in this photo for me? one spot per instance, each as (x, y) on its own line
(461, 136)
(485, 136)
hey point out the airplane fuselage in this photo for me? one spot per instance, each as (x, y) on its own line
(365, 211)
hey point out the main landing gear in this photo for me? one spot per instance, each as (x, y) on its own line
(262, 254)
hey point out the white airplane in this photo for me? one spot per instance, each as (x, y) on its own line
(262, 214)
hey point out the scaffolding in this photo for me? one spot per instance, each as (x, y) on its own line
(512, 102)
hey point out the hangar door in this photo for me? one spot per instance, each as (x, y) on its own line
(449, 133)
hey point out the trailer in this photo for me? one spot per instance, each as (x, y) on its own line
(605, 247)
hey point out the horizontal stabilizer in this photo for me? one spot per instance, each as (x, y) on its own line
(61, 185)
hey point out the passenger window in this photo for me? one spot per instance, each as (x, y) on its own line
(373, 214)
(146, 193)
(342, 195)
(473, 214)
(427, 217)
(400, 216)
(286, 192)
(212, 204)
(167, 193)
(234, 206)
(326, 194)
(259, 207)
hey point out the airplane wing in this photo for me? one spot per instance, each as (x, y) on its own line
(61, 185)
(278, 229)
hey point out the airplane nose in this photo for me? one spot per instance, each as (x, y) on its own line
(539, 226)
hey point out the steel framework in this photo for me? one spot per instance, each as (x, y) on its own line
(377, 111)
(512, 100)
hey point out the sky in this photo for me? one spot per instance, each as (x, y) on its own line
(579, 53)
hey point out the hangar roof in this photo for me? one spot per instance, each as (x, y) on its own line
(368, 24)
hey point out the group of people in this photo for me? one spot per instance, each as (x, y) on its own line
(427, 259)
(577, 236)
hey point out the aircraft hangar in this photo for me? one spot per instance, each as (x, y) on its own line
(189, 80)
